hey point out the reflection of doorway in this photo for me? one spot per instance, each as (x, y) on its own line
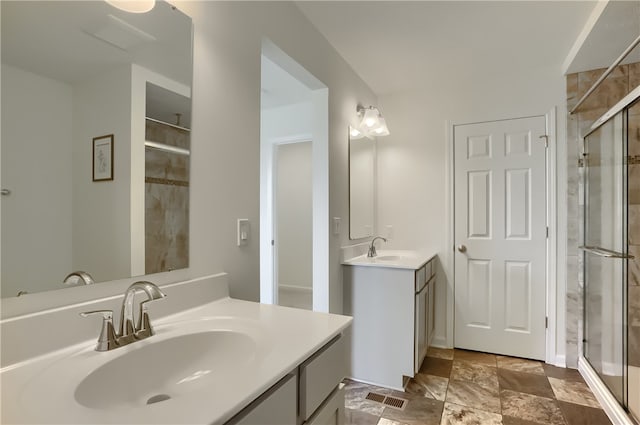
(294, 118)
(293, 224)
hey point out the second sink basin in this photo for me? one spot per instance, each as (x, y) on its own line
(166, 369)
(401, 259)
(388, 258)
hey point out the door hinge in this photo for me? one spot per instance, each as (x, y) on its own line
(273, 242)
(547, 232)
(546, 322)
(546, 140)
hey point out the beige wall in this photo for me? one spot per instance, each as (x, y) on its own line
(101, 210)
(294, 214)
(41, 199)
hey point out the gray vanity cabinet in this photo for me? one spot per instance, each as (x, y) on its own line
(424, 316)
(393, 319)
(311, 394)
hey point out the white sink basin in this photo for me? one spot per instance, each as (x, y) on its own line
(174, 367)
(166, 369)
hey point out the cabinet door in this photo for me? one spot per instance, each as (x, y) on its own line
(420, 344)
(332, 410)
(431, 311)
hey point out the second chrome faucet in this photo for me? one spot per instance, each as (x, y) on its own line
(129, 331)
(372, 248)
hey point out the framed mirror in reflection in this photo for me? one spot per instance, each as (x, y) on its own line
(74, 71)
(362, 152)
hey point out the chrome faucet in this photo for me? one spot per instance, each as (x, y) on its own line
(109, 338)
(77, 277)
(372, 248)
(143, 329)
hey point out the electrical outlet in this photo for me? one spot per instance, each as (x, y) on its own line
(389, 231)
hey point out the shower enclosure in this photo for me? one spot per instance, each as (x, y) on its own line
(612, 295)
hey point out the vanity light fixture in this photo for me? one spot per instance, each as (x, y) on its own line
(355, 134)
(372, 124)
(133, 6)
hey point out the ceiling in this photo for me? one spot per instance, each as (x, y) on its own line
(72, 40)
(398, 46)
(613, 30)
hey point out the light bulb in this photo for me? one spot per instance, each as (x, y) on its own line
(381, 129)
(371, 117)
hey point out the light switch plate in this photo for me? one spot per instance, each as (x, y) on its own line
(243, 231)
(336, 225)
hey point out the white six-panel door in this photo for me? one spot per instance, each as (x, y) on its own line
(500, 236)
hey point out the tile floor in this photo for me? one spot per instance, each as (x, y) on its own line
(466, 387)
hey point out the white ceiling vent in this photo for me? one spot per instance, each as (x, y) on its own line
(120, 34)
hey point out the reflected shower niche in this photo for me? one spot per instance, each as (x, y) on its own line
(167, 151)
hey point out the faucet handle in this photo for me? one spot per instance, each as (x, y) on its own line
(144, 329)
(107, 339)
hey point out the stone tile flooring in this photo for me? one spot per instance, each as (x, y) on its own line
(466, 387)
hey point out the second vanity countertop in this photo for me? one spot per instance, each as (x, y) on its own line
(397, 259)
(281, 339)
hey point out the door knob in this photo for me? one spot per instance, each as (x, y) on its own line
(462, 248)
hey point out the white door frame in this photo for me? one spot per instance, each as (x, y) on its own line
(320, 196)
(320, 176)
(554, 305)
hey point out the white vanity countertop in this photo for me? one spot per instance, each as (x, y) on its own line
(397, 259)
(284, 338)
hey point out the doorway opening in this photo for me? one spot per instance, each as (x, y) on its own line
(294, 213)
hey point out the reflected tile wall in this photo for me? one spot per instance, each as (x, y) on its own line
(620, 82)
(166, 201)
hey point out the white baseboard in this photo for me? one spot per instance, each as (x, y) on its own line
(611, 369)
(439, 342)
(559, 361)
(375, 384)
(611, 407)
(295, 288)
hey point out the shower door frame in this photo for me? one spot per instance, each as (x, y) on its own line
(614, 408)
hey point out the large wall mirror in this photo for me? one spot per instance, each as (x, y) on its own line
(362, 152)
(95, 142)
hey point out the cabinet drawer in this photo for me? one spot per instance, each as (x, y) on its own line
(320, 375)
(275, 407)
(421, 278)
(429, 270)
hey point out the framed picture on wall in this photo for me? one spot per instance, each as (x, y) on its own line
(103, 158)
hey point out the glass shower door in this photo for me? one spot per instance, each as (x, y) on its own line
(605, 253)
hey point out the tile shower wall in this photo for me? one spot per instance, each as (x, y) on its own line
(620, 82)
(166, 201)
